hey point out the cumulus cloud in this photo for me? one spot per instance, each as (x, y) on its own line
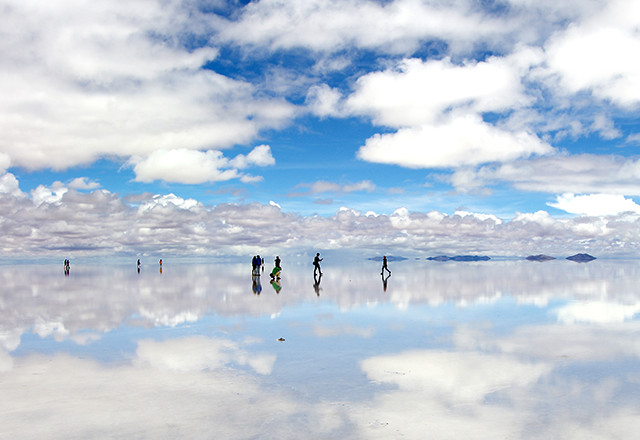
(83, 183)
(57, 217)
(455, 143)
(394, 27)
(583, 58)
(418, 92)
(324, 101)
(193, 167)
(595, 204)
(82, 83)
(437, 107)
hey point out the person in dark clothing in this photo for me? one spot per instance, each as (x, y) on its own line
(316, 264)
(384, 266)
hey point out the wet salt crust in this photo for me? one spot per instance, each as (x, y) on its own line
(499, 349)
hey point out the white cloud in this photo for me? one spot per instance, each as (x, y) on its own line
(184, 166)
(199, 353)
(10, 185)
(437, 107)
(5, 161)
(458, 377)
(324, 101)
(598, 54)
(329, 25)
(188, 387)
(418, 92)
(595, 204)
(580, 173)
(167, 200)
(82, 83)
(596, 312)
(43, 194)
(458, 141)
(323, 186)
(57, 217)
(193, 167)
(83, 183)
(259, 156)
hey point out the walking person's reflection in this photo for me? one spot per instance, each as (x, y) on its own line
(316, 283)
(384, 281)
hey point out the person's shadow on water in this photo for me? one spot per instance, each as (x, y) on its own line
(316, 283)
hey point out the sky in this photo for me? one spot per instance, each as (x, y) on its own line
(227, 128)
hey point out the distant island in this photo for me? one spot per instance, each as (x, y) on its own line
(540, 257)
(581, 258)
(460, 258)
(389, 258)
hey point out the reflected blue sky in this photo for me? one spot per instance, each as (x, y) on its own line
(511, 348)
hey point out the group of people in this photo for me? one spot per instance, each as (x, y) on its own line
(256, 263)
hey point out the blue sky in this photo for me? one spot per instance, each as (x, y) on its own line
(235, 127)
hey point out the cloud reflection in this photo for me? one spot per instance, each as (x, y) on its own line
(98, 299)
(508, 349)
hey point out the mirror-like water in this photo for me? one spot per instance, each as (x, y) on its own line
(498, 349)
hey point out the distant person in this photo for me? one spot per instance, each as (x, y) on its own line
(138, 265)
(67, 266)
(384, 266)
(160, 261)
(316, 264)
(260, 262)
(275, 273)
(255, 265)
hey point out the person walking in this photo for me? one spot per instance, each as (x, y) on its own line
(384, 266)
(316, 264)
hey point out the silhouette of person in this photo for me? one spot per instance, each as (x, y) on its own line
(384, 266)
(138, 264)
(316, 264)
(67, 266)
(316, 283)
(277, 262)
(384, 282)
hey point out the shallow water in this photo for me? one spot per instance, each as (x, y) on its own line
(498, 349)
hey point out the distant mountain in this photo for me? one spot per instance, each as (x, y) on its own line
(460, 258)
(389, 258)
(540, 257)
(581, 258)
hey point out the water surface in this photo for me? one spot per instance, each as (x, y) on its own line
(498, 349)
